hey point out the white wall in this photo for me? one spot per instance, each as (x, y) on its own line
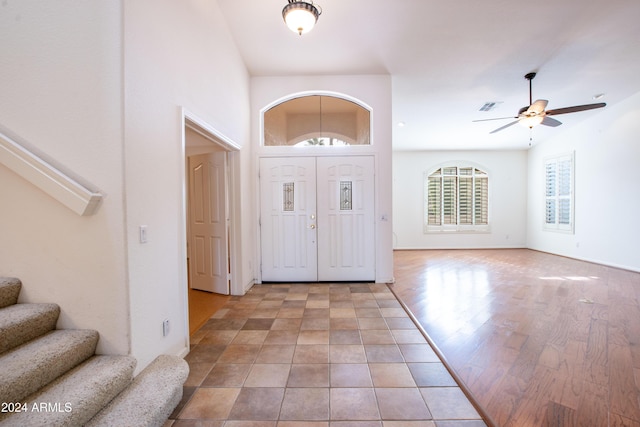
(61, 93)
(507, 199)
(100, 87)
(375, 91)
(607, 200)
(176, 54)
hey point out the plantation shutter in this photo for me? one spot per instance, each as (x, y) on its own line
(481, 198)
(559, 193)
(434, 196)
(449, 196)
(466, 196)
(456, 199)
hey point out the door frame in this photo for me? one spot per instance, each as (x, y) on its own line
(189, 120)
(220, 159)
(282, 152)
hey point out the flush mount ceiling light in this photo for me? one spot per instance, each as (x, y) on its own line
(301, 15)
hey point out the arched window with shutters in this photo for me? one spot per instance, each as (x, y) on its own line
(456, 199)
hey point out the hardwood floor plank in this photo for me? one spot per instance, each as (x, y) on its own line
(539, 339)
(623, 393)
(593, 409)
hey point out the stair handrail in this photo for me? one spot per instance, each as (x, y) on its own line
(60, 185)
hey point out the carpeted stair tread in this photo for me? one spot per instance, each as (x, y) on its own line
(77, 396)
(35, 364)
(20, 323)
(9, 291)
(151, 397)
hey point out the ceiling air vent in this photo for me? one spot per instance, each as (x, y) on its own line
(488, 106)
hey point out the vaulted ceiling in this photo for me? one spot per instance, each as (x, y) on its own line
(448, 58)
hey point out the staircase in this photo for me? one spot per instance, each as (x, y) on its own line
(52, 377)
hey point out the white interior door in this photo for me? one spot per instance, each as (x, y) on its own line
(336, 242)
(346, 233)
(288, 219)
(209, 260)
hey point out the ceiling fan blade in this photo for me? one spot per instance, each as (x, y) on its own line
(538, 106)
(548, 121)
(497, 118)
(504, 127)
(575, 109)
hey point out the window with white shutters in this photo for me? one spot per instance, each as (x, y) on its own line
(559, 193)
(456, 199)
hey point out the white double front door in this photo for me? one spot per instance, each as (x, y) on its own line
(317, 219)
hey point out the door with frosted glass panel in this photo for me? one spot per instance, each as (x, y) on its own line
(288, 219)
(317, 219)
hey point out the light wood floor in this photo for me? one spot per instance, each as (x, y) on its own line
(540, 340)
(202, 305)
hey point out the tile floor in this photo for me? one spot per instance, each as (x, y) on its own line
(317, 355)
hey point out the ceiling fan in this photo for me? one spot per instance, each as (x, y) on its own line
(535, 113)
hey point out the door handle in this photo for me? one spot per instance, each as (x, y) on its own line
(312, 226)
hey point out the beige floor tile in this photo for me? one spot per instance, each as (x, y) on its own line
(418, 353)
(408, 336)
(311, 354)
(347, 336)
(197, 373)
(303, 424)
(313, 337)
(227, 375)
(309, 375)
(431, 375)
(347, 354)
(250, 337)
(350, 375)
(241, 353)
(260, 404)
(393, 312)
(317, 303)
(312, 323)
(219, 337)
(448, 403)
(210, 403)
(281, 336)
(372, 323)
(268, 375)
(286, 324)
(342, 312)
(391, 375)
(317, 355)
(290, 313)
(276, 353)
(376, 336)
(400, 323)
(305, 404)
(354, 404)
(383, 353)
(401, 404)
(251, 424)
(343, 323)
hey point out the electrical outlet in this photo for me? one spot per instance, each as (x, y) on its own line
(165, 327)
(143, 234)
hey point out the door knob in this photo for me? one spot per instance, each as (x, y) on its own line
(312, 226)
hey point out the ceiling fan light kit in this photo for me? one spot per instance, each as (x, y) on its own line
(535, 114)
(301, 16)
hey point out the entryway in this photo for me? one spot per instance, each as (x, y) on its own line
(209, 160)
(317, 219)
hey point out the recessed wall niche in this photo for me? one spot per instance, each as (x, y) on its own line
(317, 120)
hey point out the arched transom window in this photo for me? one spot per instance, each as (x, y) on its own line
(317, 120)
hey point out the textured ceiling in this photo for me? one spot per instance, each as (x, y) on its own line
(448, 58)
